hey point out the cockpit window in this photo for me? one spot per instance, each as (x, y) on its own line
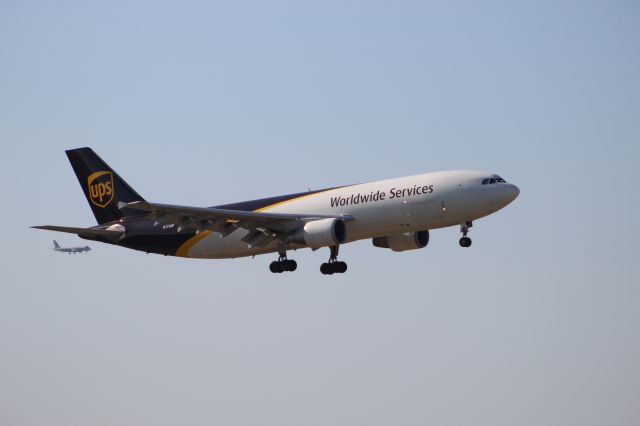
(495, 179)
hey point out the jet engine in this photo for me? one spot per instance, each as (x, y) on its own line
(321, 233)
(403, 242)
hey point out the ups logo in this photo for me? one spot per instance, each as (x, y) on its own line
(101, 188)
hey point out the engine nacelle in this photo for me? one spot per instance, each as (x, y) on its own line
(321, 233)
(403, 242)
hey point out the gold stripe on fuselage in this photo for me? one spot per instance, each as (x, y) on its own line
(183, 251)
(296, 198)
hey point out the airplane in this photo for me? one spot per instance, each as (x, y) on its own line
(69, 250)
(396, 214)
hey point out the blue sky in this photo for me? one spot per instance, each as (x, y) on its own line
(205, 103)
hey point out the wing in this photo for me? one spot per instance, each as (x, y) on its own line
(263, 227)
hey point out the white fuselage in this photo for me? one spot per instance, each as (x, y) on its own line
(381, 208)
(72, 250)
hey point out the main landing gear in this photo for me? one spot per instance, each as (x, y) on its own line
(283, 264)
(333, 266)
(464, 228)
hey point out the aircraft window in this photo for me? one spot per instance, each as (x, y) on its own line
(493, 180)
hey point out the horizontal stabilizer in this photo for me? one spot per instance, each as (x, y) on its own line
(84, 232)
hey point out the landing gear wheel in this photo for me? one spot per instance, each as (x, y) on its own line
(326, 269)
(340, 267)
(289, 265)
(465, 242)
(275, 267)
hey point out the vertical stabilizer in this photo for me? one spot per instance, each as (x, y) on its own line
(102, 186)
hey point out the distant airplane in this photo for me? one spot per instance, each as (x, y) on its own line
(395, 214)
(69, 250)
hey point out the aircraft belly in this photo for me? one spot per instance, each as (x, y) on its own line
(211, 246)
(215, 246)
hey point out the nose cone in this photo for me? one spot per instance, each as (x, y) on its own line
(511, 192)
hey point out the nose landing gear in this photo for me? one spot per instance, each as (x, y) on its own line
(464, 228)
(333, 266)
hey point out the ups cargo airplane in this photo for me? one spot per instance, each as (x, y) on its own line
(395, 214)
